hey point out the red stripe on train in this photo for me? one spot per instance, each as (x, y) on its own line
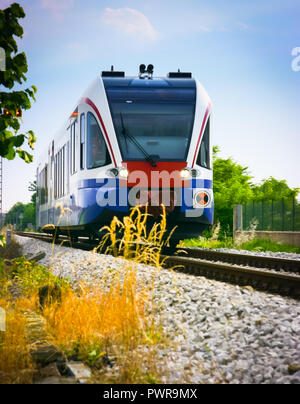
(201, 132)
(165, 175)
(90, 102)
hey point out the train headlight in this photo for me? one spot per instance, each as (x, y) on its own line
(123, 173)
(185, 173)
(119, 172)
(201, 198)
(114, 172)
(189, 173)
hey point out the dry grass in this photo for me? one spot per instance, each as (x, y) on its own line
(111, 323)
(92, 316)
(245, 237)
(10, 251)
(114, 318)
(134, 241)
(15, 361)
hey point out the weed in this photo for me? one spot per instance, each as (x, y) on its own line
(15, 363)
(12, 250)
(243, 241)
(268, 245)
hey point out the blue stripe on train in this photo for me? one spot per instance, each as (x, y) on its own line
(96, 183)
(96, 194)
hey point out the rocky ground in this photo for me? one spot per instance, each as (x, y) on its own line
(292, 256)
(221, 333)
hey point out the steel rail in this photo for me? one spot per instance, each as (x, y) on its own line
(257, 261)
(267, 280)
(256, 276)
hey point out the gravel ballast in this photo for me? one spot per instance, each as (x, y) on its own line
(222, 333)
(286, 255)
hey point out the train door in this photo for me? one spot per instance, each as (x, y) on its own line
(93, 140)
(67, 166)
(51, 184)
(82, 114)
(37, 204)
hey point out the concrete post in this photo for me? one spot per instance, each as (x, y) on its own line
(8, 237)
(237, 218)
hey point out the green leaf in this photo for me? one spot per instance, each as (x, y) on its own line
(19, 140)
(31, 139)
(16, 67)
(2, 241)
(28, 158)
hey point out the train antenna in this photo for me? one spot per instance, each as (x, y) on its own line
(146, 74)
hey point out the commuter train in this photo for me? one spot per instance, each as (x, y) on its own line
(129, 141)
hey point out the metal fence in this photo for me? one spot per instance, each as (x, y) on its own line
(280, 215)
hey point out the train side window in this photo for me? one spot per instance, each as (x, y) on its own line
(203, 158)
(63, 171)
(97, 152)
(43, 186)
(73, 148)
(60, 173)
(82, 140)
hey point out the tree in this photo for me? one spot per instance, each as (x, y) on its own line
(26, 210)
(272, 189)
(33, 188)
(231, 186)
(13, 215)
(13, 102)
(29, 215)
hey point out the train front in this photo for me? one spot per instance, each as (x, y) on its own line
(162, 126)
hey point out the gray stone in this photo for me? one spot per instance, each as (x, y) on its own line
(295, 379)
(268, 373)
(81, 372)
(293, 368)
(242, 365)
(38, 256)
(296, 327)
(49, 294)
(258, 332)
(258, 378)
(41, 344)
(223, 359)
(49, 371)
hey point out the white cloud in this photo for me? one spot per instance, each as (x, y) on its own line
(130, 21)
(57, 7)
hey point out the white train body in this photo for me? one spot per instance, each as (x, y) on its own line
(125, 132)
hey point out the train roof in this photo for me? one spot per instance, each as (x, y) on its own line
(153, 82)
(118, 79)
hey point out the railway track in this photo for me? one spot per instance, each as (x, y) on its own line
(276, 275)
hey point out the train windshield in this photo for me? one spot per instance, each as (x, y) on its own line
(153, 123)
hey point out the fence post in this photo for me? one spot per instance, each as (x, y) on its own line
(272, 216)
(293, 215)
(8, 237)
(237, 218)
(282, 212)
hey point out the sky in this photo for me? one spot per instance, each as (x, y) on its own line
(245, 54)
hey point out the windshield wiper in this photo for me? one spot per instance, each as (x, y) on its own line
(151, 158)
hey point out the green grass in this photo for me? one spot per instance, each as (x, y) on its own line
(268, 245)
(207, 243)
(252, 245)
